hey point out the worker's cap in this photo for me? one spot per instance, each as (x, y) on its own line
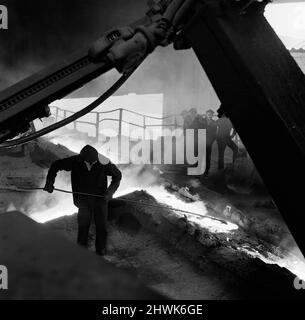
(89, 154)
(184, 113)
(210, 111)
(193, 110)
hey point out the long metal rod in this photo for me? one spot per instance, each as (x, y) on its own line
(146, 204)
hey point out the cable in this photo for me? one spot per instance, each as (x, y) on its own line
(70, 119)
(172, 9)
(121, 198)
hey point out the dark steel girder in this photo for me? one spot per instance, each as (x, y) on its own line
(264, 92)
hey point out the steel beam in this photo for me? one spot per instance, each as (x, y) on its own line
(264, 93)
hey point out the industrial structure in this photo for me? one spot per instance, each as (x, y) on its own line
(248, 66)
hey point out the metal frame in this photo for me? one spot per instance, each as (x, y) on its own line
(263, 91)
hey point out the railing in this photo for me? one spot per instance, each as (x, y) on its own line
(60, 114)
(99, 117)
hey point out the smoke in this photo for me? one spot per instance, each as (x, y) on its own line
(43, 207)
(46, 207)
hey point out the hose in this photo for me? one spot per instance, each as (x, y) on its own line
(70, 119)
(172, 9)
(181, 13)
(121, 198)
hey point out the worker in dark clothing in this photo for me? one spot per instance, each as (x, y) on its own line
(187, 124)
(197, 119)
(225, 135)
(89, 176)
(209, 124)
(196, 124)
(187, 120)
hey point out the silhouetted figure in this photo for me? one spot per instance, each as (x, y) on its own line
(197, 119)
(225, 134)
(187, 124)
(211, 130)
(88, 175)
(187, 120)
(196, 124)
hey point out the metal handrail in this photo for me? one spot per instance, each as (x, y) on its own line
(123, 109)
(120, 120)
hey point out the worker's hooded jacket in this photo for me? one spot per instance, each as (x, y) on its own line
(93, 181)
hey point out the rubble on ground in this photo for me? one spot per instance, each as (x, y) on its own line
(215, 255)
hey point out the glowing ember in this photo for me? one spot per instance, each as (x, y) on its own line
(294, 264)
(198, 207)
(64, 208)
(134, 179)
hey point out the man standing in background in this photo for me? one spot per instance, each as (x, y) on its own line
(209, 124)
(225, 135)
(196, 125)
(187, 125)
(187, 120)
